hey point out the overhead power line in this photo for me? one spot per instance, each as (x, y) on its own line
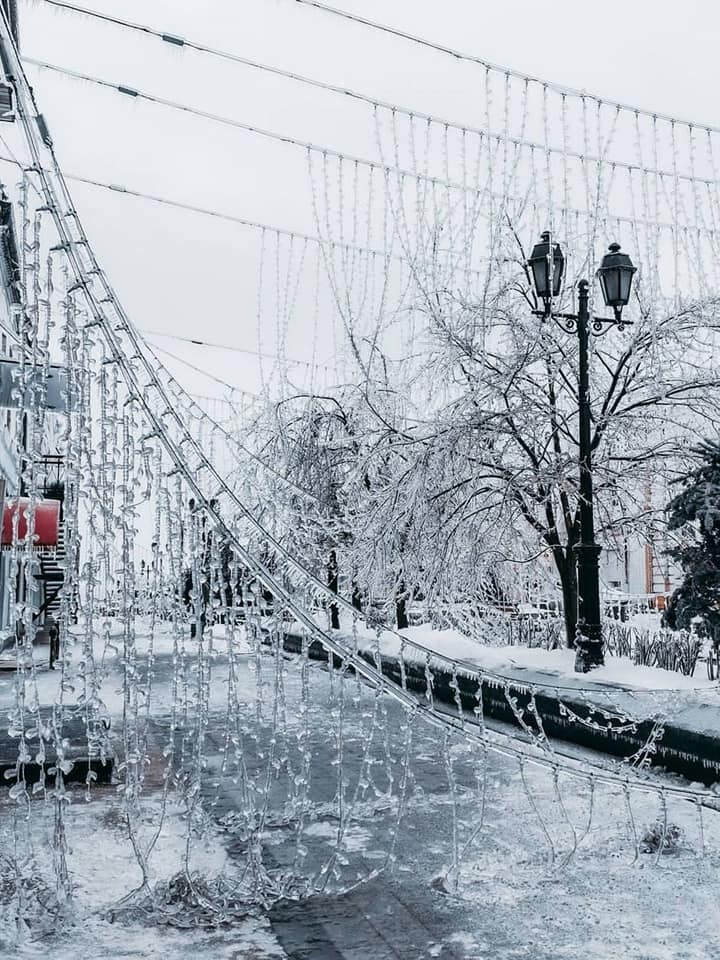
(207, 398)
(195, 208)
(205, 373)
(122, 190)
(223, 215)
(236, 218)
(134, 93)
(198, 47)
(184, 42)
(497, 68)
(235, 349)
(305, 145)
(357, 95)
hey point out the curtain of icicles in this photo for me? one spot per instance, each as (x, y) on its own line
(194, 649)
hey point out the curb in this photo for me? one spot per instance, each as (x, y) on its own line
(75, 731)
(687, 752)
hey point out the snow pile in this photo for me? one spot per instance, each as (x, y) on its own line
(554, 665)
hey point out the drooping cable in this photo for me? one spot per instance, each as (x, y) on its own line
(505, 71)
(186, 42)
(309, 147)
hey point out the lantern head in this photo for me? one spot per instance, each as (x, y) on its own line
(615, 275)
(547, 264)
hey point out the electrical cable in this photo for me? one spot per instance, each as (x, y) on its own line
(561, 89)
(202, 370)
(374, 102)
(234, 349)
(202, 114)
(205, 373)
(197, 46)
(306, 145)
(206, 397)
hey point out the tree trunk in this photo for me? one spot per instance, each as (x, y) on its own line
(567, 570)
(333, 584)
(401, 617)
(357, 597)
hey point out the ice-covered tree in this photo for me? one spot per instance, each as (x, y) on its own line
(695, 512)
(480, 467)
(308, 444)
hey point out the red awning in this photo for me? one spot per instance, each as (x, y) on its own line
(47, 522)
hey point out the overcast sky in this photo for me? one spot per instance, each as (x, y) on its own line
(185, 274)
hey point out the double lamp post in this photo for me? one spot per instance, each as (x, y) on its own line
(615, 275)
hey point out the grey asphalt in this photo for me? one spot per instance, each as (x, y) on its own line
(514, 900)
(400, 918)
(524, 893)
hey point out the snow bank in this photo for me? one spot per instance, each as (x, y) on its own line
(546, 666)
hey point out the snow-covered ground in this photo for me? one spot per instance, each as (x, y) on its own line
(107, 651)
(548, 666)
(529, 664)
(520, 893)
(103, 869)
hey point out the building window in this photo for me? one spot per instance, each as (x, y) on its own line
(4, 344)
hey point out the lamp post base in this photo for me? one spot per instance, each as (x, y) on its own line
(589, 651)
(589, 640)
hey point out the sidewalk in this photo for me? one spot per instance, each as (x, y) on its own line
(511, 903)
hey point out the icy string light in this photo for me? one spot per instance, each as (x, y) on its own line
(153, 405)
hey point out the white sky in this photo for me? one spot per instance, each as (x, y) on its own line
(181, 273)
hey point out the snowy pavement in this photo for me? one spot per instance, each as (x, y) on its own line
(519, 892)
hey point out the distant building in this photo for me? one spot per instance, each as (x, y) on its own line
(11, 12)
(638, 565)
(48, 540)
(636, 571)
(9, 334)
(640, 568)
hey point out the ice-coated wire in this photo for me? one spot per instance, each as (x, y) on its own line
(452, 874)
(536, 809)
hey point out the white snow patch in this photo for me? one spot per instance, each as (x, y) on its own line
(548, 667)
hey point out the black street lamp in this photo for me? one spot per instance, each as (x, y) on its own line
(615, 276)
(548, 267)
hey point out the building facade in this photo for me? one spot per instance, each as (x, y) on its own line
(10, 417)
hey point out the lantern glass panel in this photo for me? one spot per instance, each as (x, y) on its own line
(625, 284)
(611, 283)
(540, 277)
